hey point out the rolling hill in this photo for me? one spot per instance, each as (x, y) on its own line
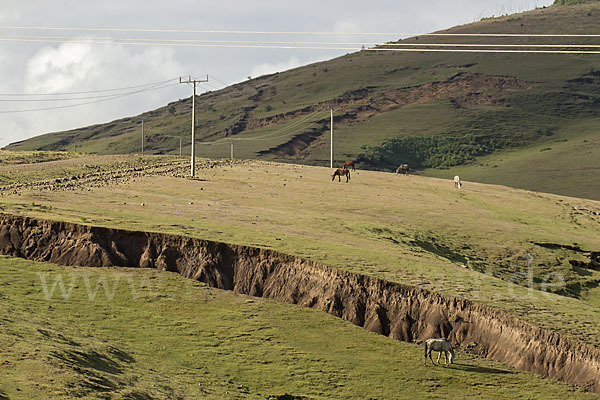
(530, 259)
(520, 119)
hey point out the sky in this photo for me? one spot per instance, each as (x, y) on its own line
(57, 79)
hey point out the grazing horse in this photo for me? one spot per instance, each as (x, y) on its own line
(348, 164)
(341, 172)
(457, 182)
(441, 345)
(403, 169)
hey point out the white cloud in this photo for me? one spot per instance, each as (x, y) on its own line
(34, 67)
(57, 69)
(77, 67)
(347, 26)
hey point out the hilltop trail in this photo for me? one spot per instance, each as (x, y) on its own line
(402, 312)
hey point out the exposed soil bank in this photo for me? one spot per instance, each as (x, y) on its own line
(402, 312)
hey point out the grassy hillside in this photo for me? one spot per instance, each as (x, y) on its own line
(434, 110)
(143, 334)
(533, 254)
(147, 334)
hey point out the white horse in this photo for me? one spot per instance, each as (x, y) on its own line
(441, 345)
(457, 182)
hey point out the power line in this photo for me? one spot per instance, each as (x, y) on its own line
(89, 91)
(218, 80)
(325, 46)
(117, 96)
(428, 50)
(289, 43)
(234, 32)
(491, 45)
(191, 41)
(106, 96)
(267, 136)
(273, 135)
(510, 35)
(213, 86)
(140, 43)
(248, 32)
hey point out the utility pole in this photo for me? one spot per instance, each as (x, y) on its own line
(231, 150)
(193, 82)
(142, 136)
(331, 158)
(176, 137)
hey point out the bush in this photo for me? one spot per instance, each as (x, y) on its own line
(427, 151)
(444, 151)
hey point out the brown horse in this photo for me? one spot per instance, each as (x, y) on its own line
(403, 169)
(339, 173)
(348, 164)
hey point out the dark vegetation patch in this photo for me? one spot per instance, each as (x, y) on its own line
(511, 265)
(557, 246)
(98, 372)
(592, 257)
(435, 247)
(138, 396)
(426, 151)
(427, 243)
(572, 2)
(89, 360)
(529, 119)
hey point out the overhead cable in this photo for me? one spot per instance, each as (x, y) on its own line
(250, 32)
(116, 96)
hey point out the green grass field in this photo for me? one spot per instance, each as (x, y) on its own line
(142, 334)
(567, 165)
(492, 244)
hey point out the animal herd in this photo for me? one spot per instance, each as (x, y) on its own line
(441, 345)
(403, 169)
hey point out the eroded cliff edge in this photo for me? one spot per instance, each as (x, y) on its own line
(403, 312)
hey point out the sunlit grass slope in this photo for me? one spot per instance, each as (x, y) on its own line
(518, 250)
(133, 334)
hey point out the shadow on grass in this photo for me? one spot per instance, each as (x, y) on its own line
(478, 369)
(3, 395)
(89, 360)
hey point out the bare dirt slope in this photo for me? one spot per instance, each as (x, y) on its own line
(400, 311)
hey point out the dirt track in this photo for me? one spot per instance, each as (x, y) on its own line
(112, 176)
(402, 312)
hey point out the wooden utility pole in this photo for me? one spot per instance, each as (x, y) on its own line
(176, 137)
(142, 136)
(331, 157)
(193, 82)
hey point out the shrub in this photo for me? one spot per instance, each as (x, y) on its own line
(427, 151)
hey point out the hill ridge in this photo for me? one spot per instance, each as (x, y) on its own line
(530, 101)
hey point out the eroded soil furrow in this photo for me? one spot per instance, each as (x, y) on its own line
(403, 312)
